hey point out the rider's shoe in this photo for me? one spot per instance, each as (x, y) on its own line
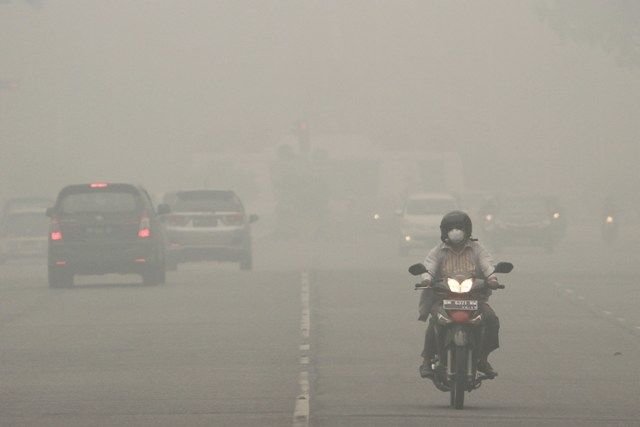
(425, 369)
(485, 367)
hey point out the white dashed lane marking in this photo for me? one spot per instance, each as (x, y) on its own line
(301, 410)
(570, 294)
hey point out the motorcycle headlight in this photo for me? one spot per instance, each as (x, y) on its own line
(454, 285)
(465, 286)
(460, 288)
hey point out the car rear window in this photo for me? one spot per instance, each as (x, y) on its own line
(99, 201)
(189, 201)
(430, 207)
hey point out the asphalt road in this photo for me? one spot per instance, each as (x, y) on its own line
(216, 346)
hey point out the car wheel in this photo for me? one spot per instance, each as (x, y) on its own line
(246, 262)
(60, 278)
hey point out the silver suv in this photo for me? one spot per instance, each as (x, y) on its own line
(208, 225)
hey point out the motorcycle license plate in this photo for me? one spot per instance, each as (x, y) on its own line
(460, 304)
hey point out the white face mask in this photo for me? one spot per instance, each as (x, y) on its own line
(455, 236)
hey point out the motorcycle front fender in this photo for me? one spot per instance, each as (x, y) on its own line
(457, 335)
(460, 338)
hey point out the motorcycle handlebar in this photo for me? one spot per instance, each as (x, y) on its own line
(419, 286)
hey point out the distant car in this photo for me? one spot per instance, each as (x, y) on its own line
(208, 225)
(523, 220)
(103, 228)
(420, 220)
(23, 234)
(472, 202)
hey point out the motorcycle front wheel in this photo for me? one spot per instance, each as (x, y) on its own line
(459, 385)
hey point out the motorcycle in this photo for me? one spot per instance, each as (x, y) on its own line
(459, 333)
(609, 229)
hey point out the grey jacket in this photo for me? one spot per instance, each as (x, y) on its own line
(480, 258)
(442, 260)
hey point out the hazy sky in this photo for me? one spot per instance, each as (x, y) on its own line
(132, 89)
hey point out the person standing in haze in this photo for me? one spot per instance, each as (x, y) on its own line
(457, 254)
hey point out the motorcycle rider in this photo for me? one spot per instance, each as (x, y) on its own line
(458, 253)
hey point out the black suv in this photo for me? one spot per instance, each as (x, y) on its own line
(104, 228)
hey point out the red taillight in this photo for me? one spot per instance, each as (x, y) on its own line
(144, 230)
(56, 232)
(234, 219)
(99, 185)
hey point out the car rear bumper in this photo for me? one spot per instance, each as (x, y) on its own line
(103, 258)
(207, 253)
(197, 245)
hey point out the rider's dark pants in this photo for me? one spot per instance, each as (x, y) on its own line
(491, 323)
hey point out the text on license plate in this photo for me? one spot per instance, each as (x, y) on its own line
(460, 304)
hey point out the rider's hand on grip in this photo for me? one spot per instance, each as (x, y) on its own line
(492, 283)
(426, 283)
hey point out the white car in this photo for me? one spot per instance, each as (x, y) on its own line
(208, 225)
(420, 220)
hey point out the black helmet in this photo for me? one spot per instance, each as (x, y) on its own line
(455, 219)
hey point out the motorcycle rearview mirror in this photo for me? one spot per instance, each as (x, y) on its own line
(418, 269)
(503, 267)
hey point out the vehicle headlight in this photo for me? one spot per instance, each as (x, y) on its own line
(556, 215)
(407, 238)
(458, 287)
(376, 216)
(488, 217)
(465, 286)
(609, 219)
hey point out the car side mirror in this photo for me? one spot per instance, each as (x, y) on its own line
(49, 212)
(503, 267)
(418, 269)
(163, 209)
(253, 218)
